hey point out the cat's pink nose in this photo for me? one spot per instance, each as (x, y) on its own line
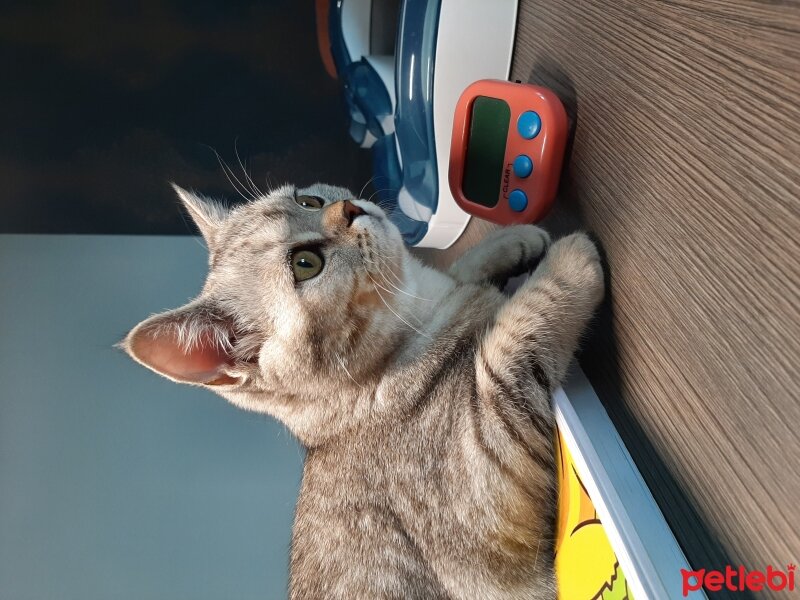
(351, 211)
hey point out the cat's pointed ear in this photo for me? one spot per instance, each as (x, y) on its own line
(206, 213)
(191, 344)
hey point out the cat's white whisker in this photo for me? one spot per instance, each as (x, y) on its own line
(402, 291)
(247, 194)
(229, 173)
(379, 285)
(384, 266)
(346, 370)
(370, 180)
(269, 184)
(248, 179)
(423, 334)
(381, 270)
(387, 208)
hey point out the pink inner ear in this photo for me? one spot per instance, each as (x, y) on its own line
(160, 350)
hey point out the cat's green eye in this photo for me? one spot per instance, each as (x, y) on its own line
(306, 264)
(309, 202)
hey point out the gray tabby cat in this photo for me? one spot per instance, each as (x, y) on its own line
(422, 398)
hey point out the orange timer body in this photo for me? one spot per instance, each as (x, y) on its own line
(506, 151)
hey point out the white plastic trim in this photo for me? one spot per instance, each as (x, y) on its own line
(369, 140)
(411, 207)
(356, 26)
(646, 549)
(475, 41)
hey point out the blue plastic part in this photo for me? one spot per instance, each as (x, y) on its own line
(365, 96)
(358, 122)
(518, 200)
(412, 230)
(523, 166)
(341, 56)
(368, 93)
(387, 181)
(357, 131)
(414, 66)
(387, 177)
(342, 60)
(368, 103)
(529, 124)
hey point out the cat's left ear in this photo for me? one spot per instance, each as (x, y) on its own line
(192, 344)
(206, 213)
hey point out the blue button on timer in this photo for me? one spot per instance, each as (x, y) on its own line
(523, 166)
(518, 200)
(529, 124)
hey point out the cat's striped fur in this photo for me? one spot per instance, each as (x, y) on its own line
(423, 398)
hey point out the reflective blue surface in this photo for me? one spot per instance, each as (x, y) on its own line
(358, 122)
(341, 57)
(388, 178)
(367, 99)
(387, 174)
(366, 90)
(369, 104)
(414, 68)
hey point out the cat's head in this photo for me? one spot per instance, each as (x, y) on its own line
(295, 317)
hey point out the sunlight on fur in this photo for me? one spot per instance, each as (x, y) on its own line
(423, 398)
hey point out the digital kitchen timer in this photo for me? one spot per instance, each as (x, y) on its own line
(506, 151)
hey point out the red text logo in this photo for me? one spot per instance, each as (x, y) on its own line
(738, 580)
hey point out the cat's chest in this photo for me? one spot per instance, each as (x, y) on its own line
(410, 465)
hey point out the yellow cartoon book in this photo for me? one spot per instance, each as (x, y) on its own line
(612, 542)
(586, 566)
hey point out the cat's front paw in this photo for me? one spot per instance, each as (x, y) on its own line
(532, 241)
(503, 254)
(575, 260)
(522, 248)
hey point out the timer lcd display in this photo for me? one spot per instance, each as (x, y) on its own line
(486, 147)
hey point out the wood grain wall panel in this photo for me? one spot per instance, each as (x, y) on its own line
(685, 164)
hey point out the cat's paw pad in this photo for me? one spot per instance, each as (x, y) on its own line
(527, 243)
(577, 258)
(503, 254)
(578, 247)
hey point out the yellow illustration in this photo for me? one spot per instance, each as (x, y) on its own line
(586, 566)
